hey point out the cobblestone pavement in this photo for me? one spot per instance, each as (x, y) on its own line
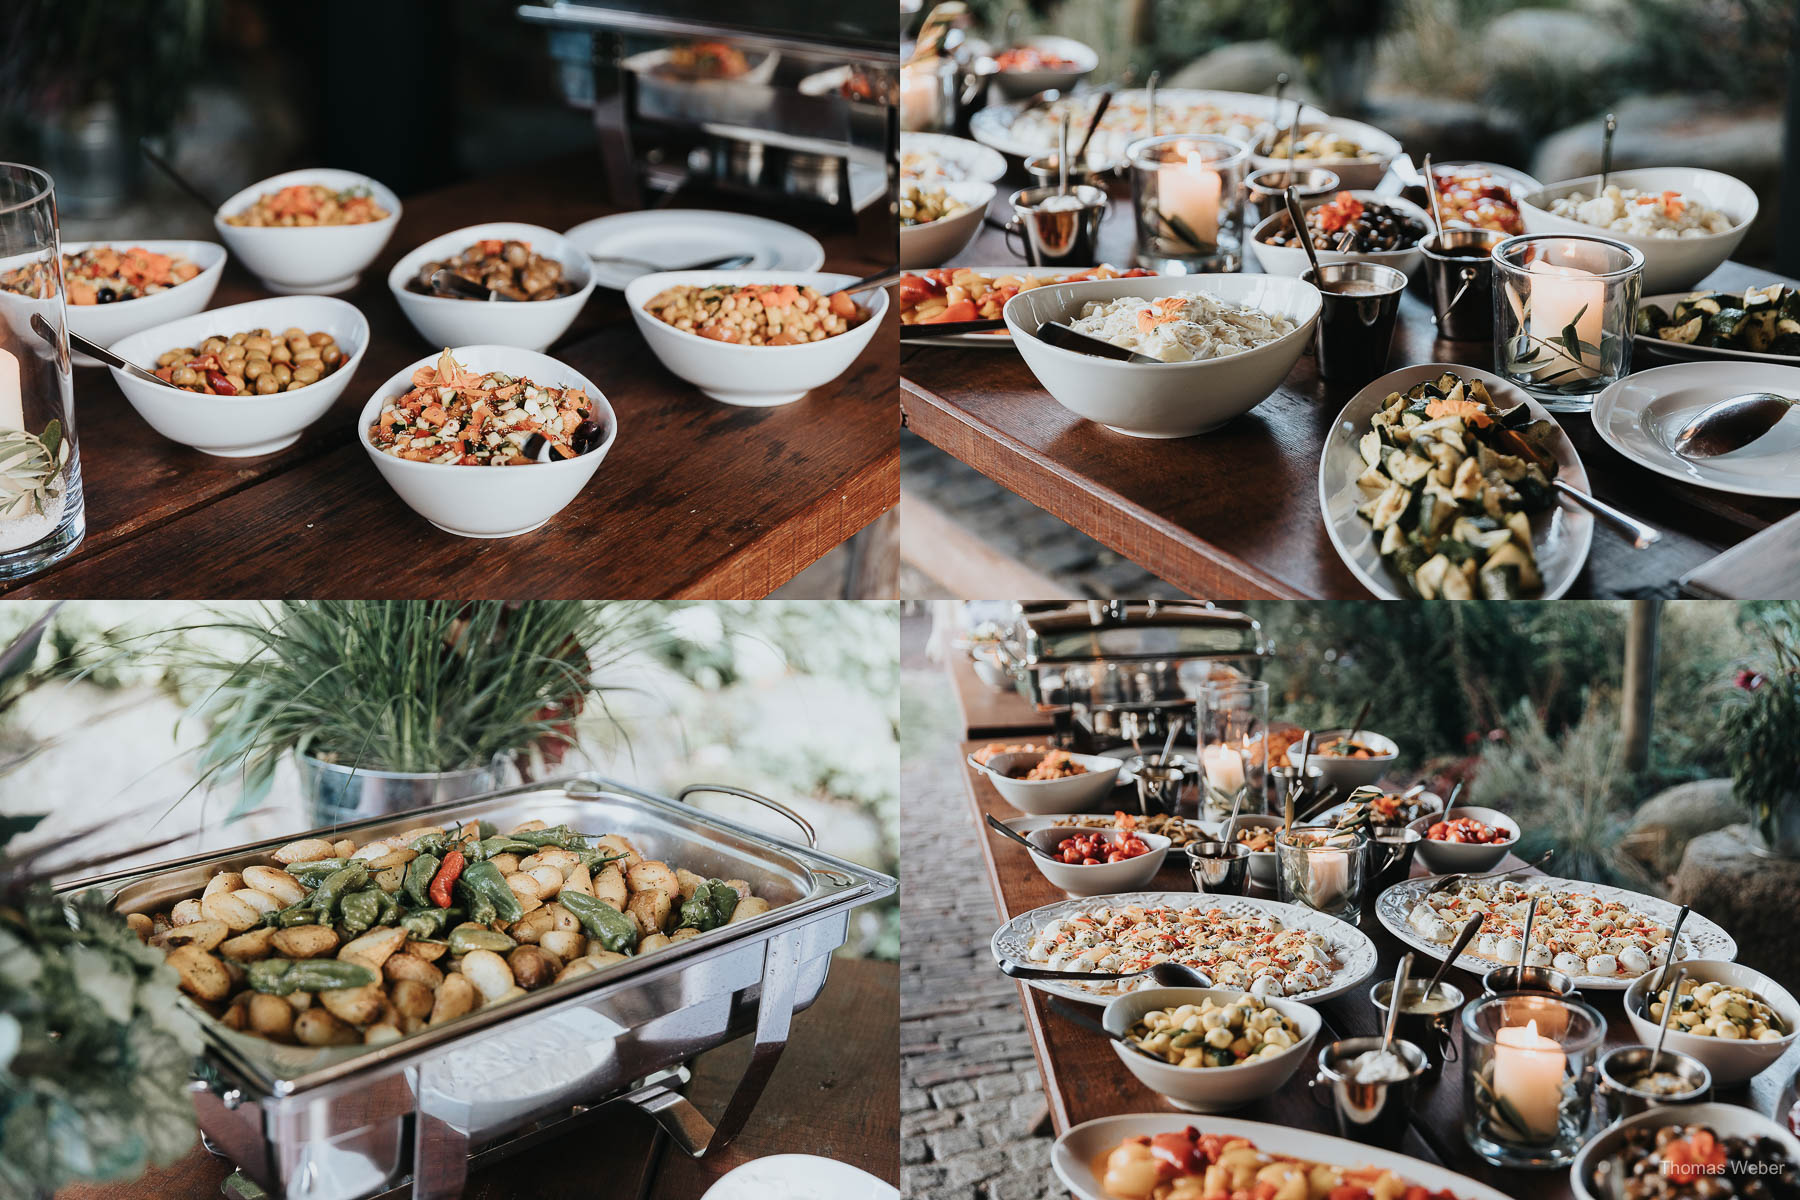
(970, 1095)
(1019, 529)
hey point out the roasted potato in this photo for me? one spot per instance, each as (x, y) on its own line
(205, 934)
(412, 998)
(532, 967)
(250, 945)
(318, 1027)
(616, 843)
(650, 909)
(271, 1016)
(609, 886)
(224, 881)
(186, 912)
(373, 948)
(410, 967)
(648, 876)
(356, 1006)
(749, 906)
(488, 972)
(276, 883)
(455, 997)
(564, 943)
(202, 976)
(304, 850)
(227, 907)
(305, 941)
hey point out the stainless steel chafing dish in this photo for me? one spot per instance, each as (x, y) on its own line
(1106, 669)
(320, 1124)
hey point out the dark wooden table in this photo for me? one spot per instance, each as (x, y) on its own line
(987, 712)
(695, 499)
(836, 1092)
(1234, 514)
(1083, 1078)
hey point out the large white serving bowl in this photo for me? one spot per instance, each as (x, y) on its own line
(1465, 858)
(1725, 1120)
(752, 376)
(241, 426)
(1348, 774)
(1670, 264)
(1046, 797)
(312, 259)
(1097, 879)
(1163, 400)
(939, 241)
(528, 324)
(1209, 1089)
(1731, 1061)
(107, 323)
(489, 502)
(1016, 85)
(1353, 173)
(1291, 260)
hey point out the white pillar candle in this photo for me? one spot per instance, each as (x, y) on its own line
(12, 395)
(1328, 879)
(1528, 1074)
(1224, 768)
(1189, 193)
(1561, 296)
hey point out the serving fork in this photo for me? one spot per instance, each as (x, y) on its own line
(1448, 881)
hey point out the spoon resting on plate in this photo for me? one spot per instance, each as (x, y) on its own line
(1731, 424)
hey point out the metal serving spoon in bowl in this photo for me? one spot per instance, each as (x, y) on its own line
(1166, 974)
(1732, 424)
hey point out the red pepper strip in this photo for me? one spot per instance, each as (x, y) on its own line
(439, 891)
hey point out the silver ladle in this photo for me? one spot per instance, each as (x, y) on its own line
(1732, 424)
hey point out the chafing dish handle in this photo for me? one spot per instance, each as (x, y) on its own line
(812, 836)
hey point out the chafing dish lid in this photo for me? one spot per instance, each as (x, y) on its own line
(1048, 636)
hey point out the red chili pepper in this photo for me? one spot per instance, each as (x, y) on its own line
(219, 383)
(439, 891)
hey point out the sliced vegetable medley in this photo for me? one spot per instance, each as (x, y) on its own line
(1764, 320)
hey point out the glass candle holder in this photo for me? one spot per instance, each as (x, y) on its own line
(1234, 748)
(1565, 306)
(1322, 869)
(41, 511)
(1528, 1077)
(1187, 195)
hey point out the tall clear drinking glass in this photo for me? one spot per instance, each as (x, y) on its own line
(41, 513)
(1234, 747)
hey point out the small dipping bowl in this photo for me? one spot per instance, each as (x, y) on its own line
(1359, 302)
(1376, 1114)
(1617, 1096)
(1429, 1030)
(1544, 980)
(1042, 169)
(1219, 868)
(1266, 190)
(1459, 267)
(1159, 786)
(1390, 854)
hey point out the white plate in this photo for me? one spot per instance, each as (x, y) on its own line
(1561, 537)
(1075, 1152)
(1330, 815)
(798, 1177)
(1667, 302)
(674, 237)
(1351, 947)
(1703, 938)
(1641, 415)
(958, 158)
(993, 125)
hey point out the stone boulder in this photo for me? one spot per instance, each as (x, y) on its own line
(1751, 896)
(1244, 67)
(1553, 42)
(1662, 827)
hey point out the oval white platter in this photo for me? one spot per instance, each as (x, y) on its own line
(1075, 1152)
(1667, 302)
(1354, 952)
(1561, 537)
(1703, 938)
(1330, 815)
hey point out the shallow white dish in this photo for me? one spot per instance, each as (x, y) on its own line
(314, 259)
(1641, 415)
(489, 502)
(1016, 85)
(1732, 1120)
(937, 242)
(530, 324)
(242, 426)
(1347, 774)
(1040, 797)
(1561, 537)
(1465, 858)
(1163, 400)
(1703, 938)
(1655, 345)
(1731, 1061)
(752, 376)
(1430, 803)
(799, 1177)
(956, 158)
(1098, 879)
(1209, 1089)
(1670, 264)
(1075, 1152)
(998, 339)
(1353, 173)
(1292, 260)
(674, 236)
(107, 323)
(1352, 949)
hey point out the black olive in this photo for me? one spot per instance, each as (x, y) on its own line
(534, 446)
(588, 435)
(106, 295)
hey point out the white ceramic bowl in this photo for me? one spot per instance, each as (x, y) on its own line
(1451, 858)
(1098, 879)
(1347, 774)
(1209, 1089)
(1731, 1061)
(1162, 400)
(956, 158)
(530, 325)
(752, 376)
(1016, 85)
(937, 242)
(1353, 173)
(107, 323)
(242, 426)
(489, 502)
(1731, 1120)
(1670, 264)
(1262, 862)
(314, 259)
(1291, 260)
(1051, 797)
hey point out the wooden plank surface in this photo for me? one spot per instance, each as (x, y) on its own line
(695, 498)
(987, 713)
(1235, 513)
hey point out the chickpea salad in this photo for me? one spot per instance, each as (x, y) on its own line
(511, 268)
(103, 275)
(757, 314)
(306, 204)
(256, 362)
(455, 417)
(332, 943)
(923, 205)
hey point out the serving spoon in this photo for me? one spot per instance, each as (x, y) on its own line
(1058, 334)
(42, 328)
(1167, 974)
(1662, 1031)
(1394, 1000)
(1470, 928)
(1069, 1012)
(1014, 835)
(1642, 536)
(1732, 424)
(1298, 218)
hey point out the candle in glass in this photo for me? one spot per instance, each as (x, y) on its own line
(1224, 765)
(1528, 1074)
(1561, 296)
(1188, 193)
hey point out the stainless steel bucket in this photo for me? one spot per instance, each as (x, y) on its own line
(336, 792)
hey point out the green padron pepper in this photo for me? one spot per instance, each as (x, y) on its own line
(280, 976)
(335, 886)
(361, 910)
(489, 847)
(555, 835)
(465, 938)
(484, 879)
(302, 913)
(598, 857)
(709, 907)
(431, 843)
(605, 924)
(481, 910)
(416, 884)
(312, 874)
(426, 923)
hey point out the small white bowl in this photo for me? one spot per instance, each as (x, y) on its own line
(1162, 400)
(937, 242)
(1670, 264)
(1725, 1120)
(1209, 1089)
(313, 259)
(1291, 260)
(752, 376)
(489, 502)
(1348, 774)
(527, 324)
(107, 323)
(1016, 85)
(1051, 797)
(1262, 862)
(1451, 858)
(1731, 1061)
(1353, 173)
(1097, 879)
(241, 426)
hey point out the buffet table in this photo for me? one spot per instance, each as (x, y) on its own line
(695, 499)
(1235, 513)
(988, 712)
(1084, 1079)
(830, 1095)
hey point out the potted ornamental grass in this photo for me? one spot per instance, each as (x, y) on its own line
(1762, 731)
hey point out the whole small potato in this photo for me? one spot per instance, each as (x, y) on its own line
(533, 925)
(262, 902)
(186, 912)
(304, 850)
(682, 935)
(531, 966)
(609, 886)
(224, 881)
(407, 837)
(649, 875)
(357, 1005)
(549, 880)
(564, 943)
(488, 972)
(429, 951)
(506, 864)
(318, 1027)
(412, 998)
(140, 925)
(581, 966)
(528, 827)
(617, 843)
(202, 976)
(578, 880)
(250, 945)
(650, 909)
(525, 888)
(342, 848)
(395, 857)
(377, 1035)
(749, 906)
(227, 907)
(373, 948)
(406, 966)
(456, 997)
(389, 879)
(369, 851)
(653, 943)
(271, 1016)
(305, 941)
(606, 958)
(275, 882)
(688, 881)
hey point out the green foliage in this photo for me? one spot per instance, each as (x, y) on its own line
(1762, 727)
